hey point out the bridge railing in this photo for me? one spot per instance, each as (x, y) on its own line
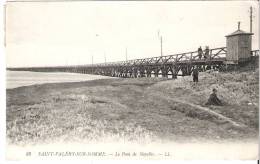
(214, 54)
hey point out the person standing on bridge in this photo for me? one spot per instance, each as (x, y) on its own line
(206, 55)
(200, 52)
(195, 75)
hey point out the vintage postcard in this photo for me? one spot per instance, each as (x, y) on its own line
(138, 80)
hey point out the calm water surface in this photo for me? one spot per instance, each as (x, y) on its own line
(16, 79)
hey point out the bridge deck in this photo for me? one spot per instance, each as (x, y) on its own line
(161, 65)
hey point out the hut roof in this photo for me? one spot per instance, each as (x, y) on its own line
(239, 32)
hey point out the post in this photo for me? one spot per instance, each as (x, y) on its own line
(160, 37)
(4, 25)
(161, 46)
(126, 54)
(105, 57)
(251, 19)
(92, 63)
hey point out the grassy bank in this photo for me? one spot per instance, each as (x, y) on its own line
(140, 110)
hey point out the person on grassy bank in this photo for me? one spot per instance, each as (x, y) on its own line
(213, 99)
(195, 75)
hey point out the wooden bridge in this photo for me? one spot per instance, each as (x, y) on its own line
(166, 66)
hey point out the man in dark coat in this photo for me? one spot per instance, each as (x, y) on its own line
(213, 99)
(195, 74)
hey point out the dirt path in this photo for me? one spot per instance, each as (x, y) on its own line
(211, 112)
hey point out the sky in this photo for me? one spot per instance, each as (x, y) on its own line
(70, 33)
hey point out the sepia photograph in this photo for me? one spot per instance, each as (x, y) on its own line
(146, 80)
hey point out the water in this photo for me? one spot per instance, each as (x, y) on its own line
(16, 79)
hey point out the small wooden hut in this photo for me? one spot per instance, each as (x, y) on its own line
(238, 46)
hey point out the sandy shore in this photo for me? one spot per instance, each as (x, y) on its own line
(134, 110)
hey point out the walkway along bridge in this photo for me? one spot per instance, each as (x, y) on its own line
(166, 66)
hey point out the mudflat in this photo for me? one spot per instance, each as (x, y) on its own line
(138, 110)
